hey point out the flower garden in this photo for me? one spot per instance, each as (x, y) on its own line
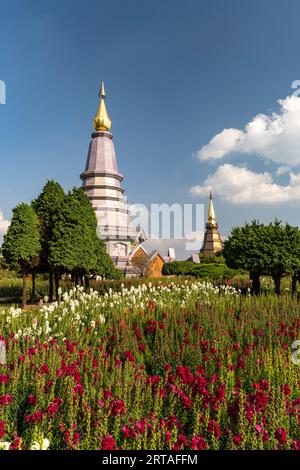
(164, 366)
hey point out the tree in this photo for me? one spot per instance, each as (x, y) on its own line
(247, 248)
(272, 249)
(46, 206)
(281, 246)
(75, 246)
(96, 260)
(21, 247)
(293, 235)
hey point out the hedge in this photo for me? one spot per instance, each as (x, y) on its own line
(212, 271)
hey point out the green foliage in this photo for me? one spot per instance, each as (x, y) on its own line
(75, 246)
(21, 247)
(215, 259)
(272, 249)
(212, 271)
(248, 248)
(46, 206)
(178, 268)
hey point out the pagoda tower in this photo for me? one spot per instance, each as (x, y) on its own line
(101, 182)
(212, 243)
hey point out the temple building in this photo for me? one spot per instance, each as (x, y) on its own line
(212, 243)
(101, 182)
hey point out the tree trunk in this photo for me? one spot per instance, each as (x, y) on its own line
(51, 286)
(24, 292)
(255, 277)
(56, 279)
(76, 279)
(277, 282)
(87, 282)
(33, 288)
(294, 284)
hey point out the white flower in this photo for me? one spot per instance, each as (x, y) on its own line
(43, 445)
(4, 445)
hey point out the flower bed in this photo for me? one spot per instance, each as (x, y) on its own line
(164, 366)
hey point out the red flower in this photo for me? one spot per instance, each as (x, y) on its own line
(126, 431)
(108, 443)
(44, 369)
(4, 379)
(34, 417)
(280, 435)
(32, 400)
(6, 399)
(213, 427)
(198, 443)
(129, 356)
(237, 439)
(141, 347)
(31, 352)
(2, 428)
(53, 407)
(118, 407)
(78, 389)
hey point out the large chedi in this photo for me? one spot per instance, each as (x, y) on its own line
(212, 243)
(102, 184)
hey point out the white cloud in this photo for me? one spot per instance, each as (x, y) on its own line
(240, 185)
(275, 137)
(4, 224)
(282, 169)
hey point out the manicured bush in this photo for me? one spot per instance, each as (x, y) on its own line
(212, 271)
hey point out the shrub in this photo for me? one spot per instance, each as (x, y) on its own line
(212, 271)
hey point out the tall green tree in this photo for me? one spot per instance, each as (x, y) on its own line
(46, 206)
(247, 248)
(281, 252)
(293, 236)
(75, 246)
(21, 247)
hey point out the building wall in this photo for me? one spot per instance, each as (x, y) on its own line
(155, 267)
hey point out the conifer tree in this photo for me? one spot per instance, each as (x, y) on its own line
(46, 207)
(21, 247)
(75, 246)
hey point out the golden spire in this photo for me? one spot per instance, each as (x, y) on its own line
(211, 211)
(102, 121)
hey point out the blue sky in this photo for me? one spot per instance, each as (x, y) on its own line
(176, 75)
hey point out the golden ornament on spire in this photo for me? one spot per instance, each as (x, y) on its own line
(211, 211)
(102, 121)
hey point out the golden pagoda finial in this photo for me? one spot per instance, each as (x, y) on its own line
(102, 121)
(102, 93)
(211, 211)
